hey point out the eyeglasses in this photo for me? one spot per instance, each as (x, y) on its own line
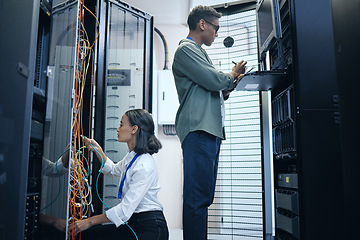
(215, 26)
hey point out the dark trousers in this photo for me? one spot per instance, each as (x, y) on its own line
(201, 156)
(146, 225)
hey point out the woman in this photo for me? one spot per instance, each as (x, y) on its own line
(139, 214)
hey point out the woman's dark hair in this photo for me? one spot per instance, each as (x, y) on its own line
(146, 141)
(201, 12)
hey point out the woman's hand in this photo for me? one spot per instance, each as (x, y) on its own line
(92, 145)
(79, 226)
(88, 142)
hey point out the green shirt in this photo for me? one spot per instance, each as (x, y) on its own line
(198, 85)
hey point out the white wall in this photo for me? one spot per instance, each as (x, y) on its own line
(170, 156)
(164, 11)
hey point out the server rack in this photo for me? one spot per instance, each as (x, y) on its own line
(346, 21)
(124, 81)
(19, 147)
(305, 120)
(23, 115)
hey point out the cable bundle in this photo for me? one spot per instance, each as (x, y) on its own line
(80, 196)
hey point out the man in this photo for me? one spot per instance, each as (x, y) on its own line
(200, 118)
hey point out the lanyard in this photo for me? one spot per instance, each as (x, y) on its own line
(190, 39)
(123, 179)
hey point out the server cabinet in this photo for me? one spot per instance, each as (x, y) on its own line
(346, 21)
(35, 115)
(124, 80)
(17, 63)
(306, 127)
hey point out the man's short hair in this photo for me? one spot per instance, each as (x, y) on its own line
(201, 12)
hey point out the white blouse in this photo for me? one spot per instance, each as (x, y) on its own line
(140, 189)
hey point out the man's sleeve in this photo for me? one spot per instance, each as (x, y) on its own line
(195, 66)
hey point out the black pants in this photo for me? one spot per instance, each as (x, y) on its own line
(146, 225)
